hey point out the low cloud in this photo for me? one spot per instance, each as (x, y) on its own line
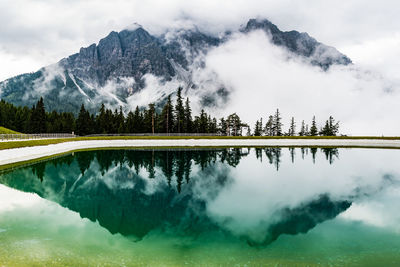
(109, 94)
(264, 77)
(46, 82)
(155, 90)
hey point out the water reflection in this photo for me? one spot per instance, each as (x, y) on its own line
(254, 194)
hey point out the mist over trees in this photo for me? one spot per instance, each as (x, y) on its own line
(172, 118)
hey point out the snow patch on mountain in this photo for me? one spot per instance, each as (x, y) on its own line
(77, 86)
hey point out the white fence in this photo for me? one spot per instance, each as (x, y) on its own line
(10, 137)
(157, 134)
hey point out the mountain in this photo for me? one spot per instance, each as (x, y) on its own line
(125, 64)
(300, 44)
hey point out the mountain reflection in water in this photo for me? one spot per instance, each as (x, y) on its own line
(240, 192)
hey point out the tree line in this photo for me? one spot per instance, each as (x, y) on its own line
(171, 118)
(35, 119)
(274, 127)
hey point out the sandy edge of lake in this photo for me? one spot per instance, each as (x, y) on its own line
(14, 155)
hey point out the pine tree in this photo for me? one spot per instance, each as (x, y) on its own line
(101, 120)
(91, 123)
(130, 126)
(313, 129)
(268, 126)
(222, 127)
(68, 122)
(214, 126)
(188, 122)
(158, 122)
(303, 129)
(137, 121)
(2, 113)
(38, 118)
(325, 130)
(209, 124)
(82, 121)
(41, 113)
(248, 131)
(257, 128)
(152, 112)
(277, 124)
(167, 117)
(120, 121)
(179, 111)
(114, 122)
(22, 117)
(203, 122)
(234, 125)
(196, 124)
(292, 128)
(331, 128)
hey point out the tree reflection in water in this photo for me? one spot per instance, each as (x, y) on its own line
(133, 192)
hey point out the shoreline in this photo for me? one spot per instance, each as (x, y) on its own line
(23, 154)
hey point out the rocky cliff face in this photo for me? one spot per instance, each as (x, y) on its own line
(123, 54)
(115, 69)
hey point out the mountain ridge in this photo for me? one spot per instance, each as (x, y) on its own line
(116, 68)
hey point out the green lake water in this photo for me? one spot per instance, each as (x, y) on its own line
(204, 207)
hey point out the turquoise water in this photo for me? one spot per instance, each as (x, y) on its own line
(205, 207)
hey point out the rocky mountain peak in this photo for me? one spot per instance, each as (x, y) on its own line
(119, 63)
(261, 24)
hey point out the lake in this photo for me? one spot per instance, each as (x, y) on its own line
(204, 207)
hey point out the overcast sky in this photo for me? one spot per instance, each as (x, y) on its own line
(35, 33)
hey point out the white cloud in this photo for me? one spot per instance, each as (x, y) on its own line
(59, 28)
(263, 77)
(109, 92)
(250, 204)
(20, 199)
(13, 64)
(155, 90)
(380, 54)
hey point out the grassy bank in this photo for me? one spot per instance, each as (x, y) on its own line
(43, 142)
(10, 167)
(7, 131)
